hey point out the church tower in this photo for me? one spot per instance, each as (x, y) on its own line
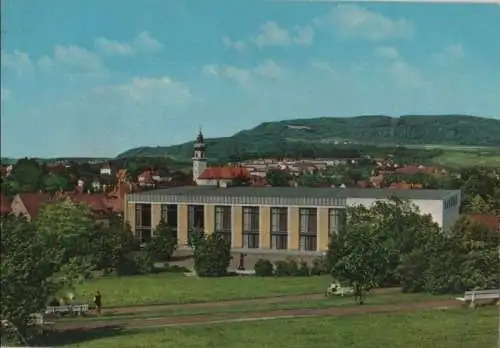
(199, 160)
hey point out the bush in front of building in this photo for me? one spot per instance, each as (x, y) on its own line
(303, 269)
(212, 256)
(263, 268)
(319, 266)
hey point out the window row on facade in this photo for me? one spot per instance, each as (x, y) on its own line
(224, 223)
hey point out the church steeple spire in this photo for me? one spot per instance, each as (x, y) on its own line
(199, 160)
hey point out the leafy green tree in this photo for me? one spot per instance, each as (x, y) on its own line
(463, 259)
(357, 257)
(479, 205)
(30, 274)
(163, 244)
(28, 174)
(69, 228)
(10, 187)
(55, 182)
(112, 245)
(278, 178)
(212, 256)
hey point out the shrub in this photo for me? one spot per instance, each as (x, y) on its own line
(212, 256)
(318, 267)
(135, 265)
(263, 268)
(282, 269)
(293, 267)
(303, 269)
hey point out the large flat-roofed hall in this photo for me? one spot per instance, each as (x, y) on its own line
(295, 220)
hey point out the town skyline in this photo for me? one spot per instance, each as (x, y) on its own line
(154, 74)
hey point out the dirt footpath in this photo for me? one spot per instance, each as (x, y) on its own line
(235, 317)
(226, 304)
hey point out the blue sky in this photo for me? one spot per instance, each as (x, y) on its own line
(94, 77)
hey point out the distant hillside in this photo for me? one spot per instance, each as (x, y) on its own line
(373, 130)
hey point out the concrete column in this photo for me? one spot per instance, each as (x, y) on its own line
(293, 228)
(155, 215)
(265, 227)
(130, 215)
(182, 224)
(323, 235)
(237, 219)
(209, 216)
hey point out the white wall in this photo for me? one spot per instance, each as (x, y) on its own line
(431, 207)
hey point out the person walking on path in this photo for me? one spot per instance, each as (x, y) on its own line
(98, 301)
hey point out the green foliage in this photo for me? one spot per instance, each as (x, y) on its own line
(112, 246)
(163, 244)
(319, 266)
(69, 228)
(478, 205)
(303, 269)
(55, 182)
(33, 270)
(212, 256)
(195, 237)
(278, 178)
(357, 256)
(461, 260)
(263, 268)
(28, 174)
(317, 134)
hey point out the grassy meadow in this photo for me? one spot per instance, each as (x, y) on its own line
(173, 288)
(451, 328)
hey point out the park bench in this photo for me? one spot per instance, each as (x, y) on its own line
(475, 296)
(337, 289)
(78, 309)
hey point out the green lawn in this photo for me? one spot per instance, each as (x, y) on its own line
(426, 329)
(169, 288)
(347, 301)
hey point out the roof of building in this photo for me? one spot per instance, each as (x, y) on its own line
(223, 173)
(33, 201)
(297, 192)
(489, 220)
(4, 205)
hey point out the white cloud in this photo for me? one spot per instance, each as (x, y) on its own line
(355, 22)
(450, 54)
(109, 47)
(323, 66)
(269, 68)
(304, 35)
(271, 34)
(405, 74)
(238, 45)
(72, 60)
(143, 43)
(387, 52)
(145, 90)
(17, 61)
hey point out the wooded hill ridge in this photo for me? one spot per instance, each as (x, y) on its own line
(448, 130)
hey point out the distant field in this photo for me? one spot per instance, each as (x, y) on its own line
(469, 158)
(426, 329)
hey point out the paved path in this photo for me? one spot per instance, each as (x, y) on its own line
(253, 316)
(226, 304)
